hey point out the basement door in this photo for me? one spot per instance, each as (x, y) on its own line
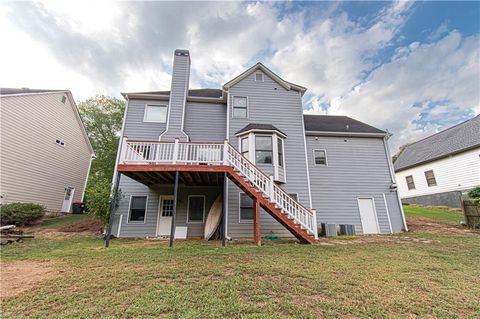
(165, 212)
(67, 199)
(368, 215)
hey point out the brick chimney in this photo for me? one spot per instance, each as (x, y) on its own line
(178, 97)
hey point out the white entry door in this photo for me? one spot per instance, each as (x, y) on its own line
(67, 199)
(165, 212)
(368, 215)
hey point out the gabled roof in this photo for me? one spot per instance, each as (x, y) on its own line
(260, 127)
(270, 73)
(456, 139)
(333, 124)
(11, 91)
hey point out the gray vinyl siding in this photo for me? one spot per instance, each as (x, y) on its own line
(33, 167)
(270, 103)
(180, 81)
(136, 229)
(135, 127)
(206, 121)
(357, 168)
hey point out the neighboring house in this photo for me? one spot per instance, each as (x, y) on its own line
(278, 165)
(45, 151)
(437, 169)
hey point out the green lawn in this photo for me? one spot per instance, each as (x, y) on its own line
(407, 275)
(57, 222)
(433, 213)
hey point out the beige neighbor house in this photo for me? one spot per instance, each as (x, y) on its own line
(45, 152)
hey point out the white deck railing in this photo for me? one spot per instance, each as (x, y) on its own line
(192, 153)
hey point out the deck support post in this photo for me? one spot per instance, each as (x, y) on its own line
(174, 213)
(224, 212)
(256, 223)
(113, 208)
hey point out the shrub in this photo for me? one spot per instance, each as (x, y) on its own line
(21, 214)
(474, 193)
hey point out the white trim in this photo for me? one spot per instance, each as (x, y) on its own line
(154, 105)
(188, 210)
(326, 158)
(119, 225)
(79, 119)
(86, 178)
(159, 216)
(227, 133)
(246, 221)
(233, 106)
(255, 76)
(374, 212)
(306, 157)
(388, 213)
(130, 208)
(32, 93)
(393, 178)
(353, 134)
(254, 130)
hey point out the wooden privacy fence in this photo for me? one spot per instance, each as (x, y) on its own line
(471, 210)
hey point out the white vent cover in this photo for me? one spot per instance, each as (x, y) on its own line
(259, 77)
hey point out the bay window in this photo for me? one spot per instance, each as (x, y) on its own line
(263, 150)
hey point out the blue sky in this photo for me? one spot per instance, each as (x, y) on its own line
(409, 67)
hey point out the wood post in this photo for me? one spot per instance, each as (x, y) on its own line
(224, 217)
(113, 208)
(256, 223)
(174, 213)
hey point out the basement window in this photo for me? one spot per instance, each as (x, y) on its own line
(196, 209)
(155, 113)
(431, 181)
(138, 209)
(410, 182)
(245, 208)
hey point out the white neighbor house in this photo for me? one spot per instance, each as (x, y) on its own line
(45, 152)
(437, 169)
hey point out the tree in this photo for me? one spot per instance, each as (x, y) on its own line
(400, 151)
(102, 117)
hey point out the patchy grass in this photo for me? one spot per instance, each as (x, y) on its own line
(433, 213)
(58, 222)
(407, 275)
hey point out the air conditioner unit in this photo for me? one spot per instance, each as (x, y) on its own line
(331, 230)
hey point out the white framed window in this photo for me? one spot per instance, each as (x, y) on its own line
(263, 149)
(59, 142)
(259, 77)
(155, 113)
(430, 177)
(410, 182)
(320, 157)
(280, 151)
(244, 146)
(240, 107)
(196, 209)
(245, 208)
(137, 209)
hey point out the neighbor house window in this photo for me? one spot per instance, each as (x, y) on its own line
(155, 113)
(196, 209)
(320, 157)
(430, 178)
(239, 107)
(244, 146)
(263, 150)
(138, 208)
(410, 182)
(246, 208)
(280, 151)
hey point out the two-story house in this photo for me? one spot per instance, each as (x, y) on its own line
(45, 152)
(249, 146)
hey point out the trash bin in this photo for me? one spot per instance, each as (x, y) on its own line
(78, 208)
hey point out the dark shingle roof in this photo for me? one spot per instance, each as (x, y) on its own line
(456, 139)
(338, 124)
(257, 126)
(209, 93)
(10, 91)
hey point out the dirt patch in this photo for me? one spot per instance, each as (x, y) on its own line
(19, 276)
(87, 225)
(419, 224)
